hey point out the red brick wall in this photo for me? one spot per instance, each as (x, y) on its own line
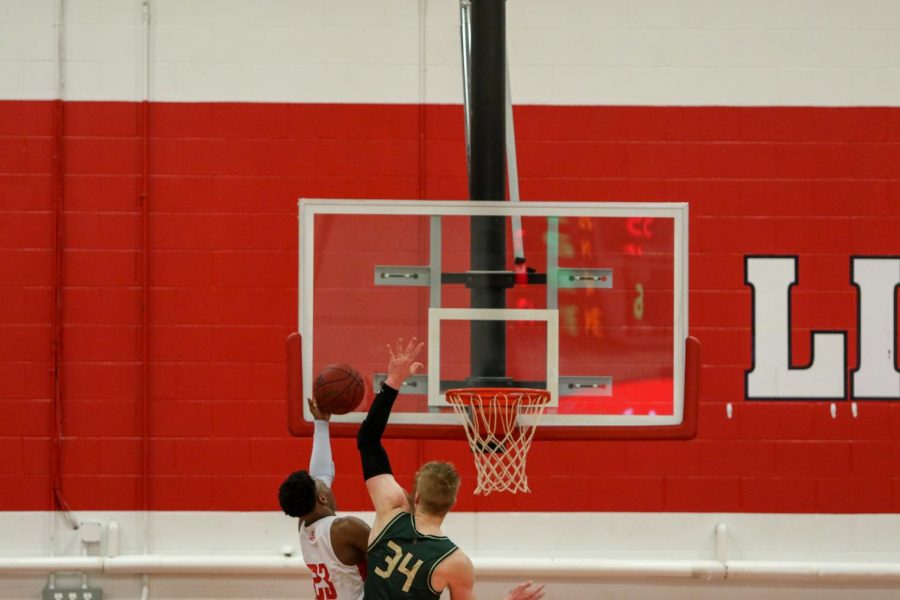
(819, 183)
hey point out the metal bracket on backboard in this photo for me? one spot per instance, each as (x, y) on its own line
(595, 386)
(584, 278)
(395, 275)
(414, 384)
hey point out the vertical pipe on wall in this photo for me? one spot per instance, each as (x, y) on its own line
(58, 501)
(113, 538)
(145, 260)
(465, 36)
(721, 542)
(56, 280)
(423, 13)
(145, 288)
(423, 186)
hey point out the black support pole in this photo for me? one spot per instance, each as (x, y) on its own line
(487, 181)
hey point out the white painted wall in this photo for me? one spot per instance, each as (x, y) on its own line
(652, 52)
(848, 540)
(660, 536)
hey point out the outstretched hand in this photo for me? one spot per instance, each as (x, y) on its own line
(526, 591)
(317, 413)
(403, 363)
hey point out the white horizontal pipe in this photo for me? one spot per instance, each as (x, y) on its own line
(835, 572)
(586, 568)
(204, 565)
(540, 569)
(155, 564)
(51, 564)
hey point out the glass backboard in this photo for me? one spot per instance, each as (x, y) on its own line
(586, 300)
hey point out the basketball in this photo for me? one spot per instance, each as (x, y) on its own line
(338, 389)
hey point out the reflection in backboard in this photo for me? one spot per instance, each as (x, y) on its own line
(595, 311)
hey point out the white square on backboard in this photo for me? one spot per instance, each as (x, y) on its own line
(436, 315)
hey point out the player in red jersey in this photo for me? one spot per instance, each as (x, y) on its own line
(334, 548)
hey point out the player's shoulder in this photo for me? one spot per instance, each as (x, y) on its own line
(349, 522)
(350, 531)
(457, 563)
(458, 556)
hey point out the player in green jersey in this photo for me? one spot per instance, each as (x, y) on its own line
(409, 558)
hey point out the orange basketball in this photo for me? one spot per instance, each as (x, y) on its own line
(338, 389)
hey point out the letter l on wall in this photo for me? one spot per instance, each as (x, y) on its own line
(771, 375)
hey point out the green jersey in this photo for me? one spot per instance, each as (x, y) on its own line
(401, 560)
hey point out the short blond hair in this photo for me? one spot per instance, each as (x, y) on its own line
(437, 483)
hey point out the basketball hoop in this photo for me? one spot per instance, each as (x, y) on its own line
(499, 424)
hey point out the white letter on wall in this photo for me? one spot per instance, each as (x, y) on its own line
(876, 280)
(771, 375)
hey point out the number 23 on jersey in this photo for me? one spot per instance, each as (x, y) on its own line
(322, 582)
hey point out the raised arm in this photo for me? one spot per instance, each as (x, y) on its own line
(321, 465)
(388, 497)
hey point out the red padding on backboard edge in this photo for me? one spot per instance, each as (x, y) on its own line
(687, 429)
(297, 425)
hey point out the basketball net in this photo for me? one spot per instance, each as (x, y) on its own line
(500, 424)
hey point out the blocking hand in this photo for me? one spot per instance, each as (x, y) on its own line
(403, 363)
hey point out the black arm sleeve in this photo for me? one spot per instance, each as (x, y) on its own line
(368, 439)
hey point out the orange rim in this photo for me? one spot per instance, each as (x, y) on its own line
(503, 396)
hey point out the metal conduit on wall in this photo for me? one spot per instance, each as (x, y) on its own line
(857, 573)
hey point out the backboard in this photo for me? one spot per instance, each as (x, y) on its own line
(585, 300)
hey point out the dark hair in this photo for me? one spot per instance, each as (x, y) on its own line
(297, 494)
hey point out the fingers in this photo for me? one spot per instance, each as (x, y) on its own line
(399, 349)
(415, 367)
(413, 349)
(317, 413)
(397, 352)
(407, 353)
(524, 591)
